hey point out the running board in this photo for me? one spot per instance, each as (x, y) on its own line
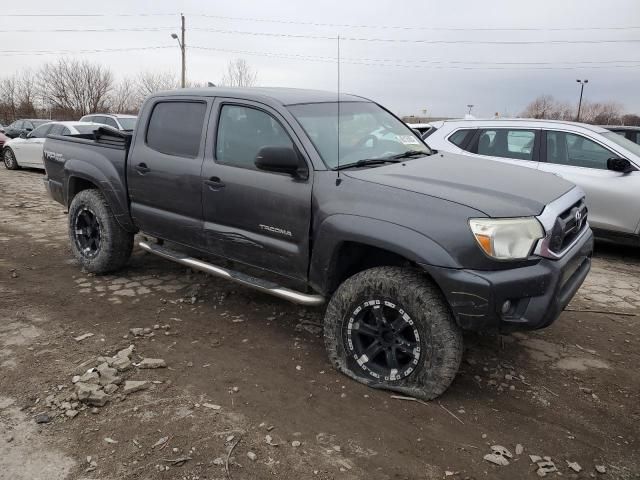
(256, 283)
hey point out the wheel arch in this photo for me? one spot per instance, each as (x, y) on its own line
(80, 175)
(348, 244)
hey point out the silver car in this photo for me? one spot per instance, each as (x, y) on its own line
(603, 163)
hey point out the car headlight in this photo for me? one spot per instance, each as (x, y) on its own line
(507, 238)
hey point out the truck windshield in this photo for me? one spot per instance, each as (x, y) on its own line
(367, 132)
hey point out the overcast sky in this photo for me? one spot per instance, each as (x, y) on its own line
(408, 74)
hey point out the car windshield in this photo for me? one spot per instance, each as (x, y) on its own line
(37, 123)
(624, 143)
(128, 123)
(367, 132)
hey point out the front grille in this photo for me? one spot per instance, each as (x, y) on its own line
(568, 226)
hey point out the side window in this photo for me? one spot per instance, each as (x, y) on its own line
(41, 132)
(175, 128)
(243, 131)
(17, 125)
(570, 149)
(65, 131)
(506, 143)
(97, 119)
(110, 121)
(458, 137)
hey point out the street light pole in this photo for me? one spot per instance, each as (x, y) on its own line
(183, 49)
(582, 84)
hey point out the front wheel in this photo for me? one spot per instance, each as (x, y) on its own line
(391, 328)
(98, 241)
(9, 159)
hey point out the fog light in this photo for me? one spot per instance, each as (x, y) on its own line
(506, 306)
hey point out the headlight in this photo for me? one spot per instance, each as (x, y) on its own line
(507, 238)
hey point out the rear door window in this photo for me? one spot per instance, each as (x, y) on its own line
(40, 132)
(110, 121)
(506, 143)
(566, 148)
(175, 128)
(459, 137)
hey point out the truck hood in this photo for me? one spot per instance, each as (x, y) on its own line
(495, 188)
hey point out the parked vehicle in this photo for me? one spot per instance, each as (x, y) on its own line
(604, 164)
(407, 247)
(20, 127)
(26, 150)
(423, 128)
(629, 132)
(118, 120)
(3, 140)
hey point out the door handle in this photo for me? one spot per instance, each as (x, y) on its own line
(142, 168)
(214, 183)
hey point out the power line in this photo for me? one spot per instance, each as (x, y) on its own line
(436, 65)
(421, 41)
(323, 24)
(17, 53)
(95, 30)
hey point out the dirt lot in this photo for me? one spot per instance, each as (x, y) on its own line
(242, 365)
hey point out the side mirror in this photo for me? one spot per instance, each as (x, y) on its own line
(281, 160)
(621, 165)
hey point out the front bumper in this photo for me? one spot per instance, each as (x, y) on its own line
(537, 293)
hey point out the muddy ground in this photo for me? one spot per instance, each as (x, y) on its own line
(570, 392)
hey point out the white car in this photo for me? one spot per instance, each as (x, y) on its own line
(26, 150)
(604, 164)
(120, 121)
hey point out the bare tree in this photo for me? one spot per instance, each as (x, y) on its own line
(547, 107)
(124, 97)
(76, 87)
(630, 119)
(151, 82)
(239, 74)
(601, 113)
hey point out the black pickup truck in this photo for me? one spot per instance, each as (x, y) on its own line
(313, 198)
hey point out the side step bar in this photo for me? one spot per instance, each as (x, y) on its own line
(256, 283)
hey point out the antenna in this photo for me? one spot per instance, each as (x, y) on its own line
(338, 180)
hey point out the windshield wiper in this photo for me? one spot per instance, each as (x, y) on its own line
(410, 153)
(365, 162)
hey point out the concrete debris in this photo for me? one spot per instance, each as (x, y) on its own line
(500, 450)
(43, 418)
(84, 390)
(90, 377)
(601, 469)
(269, 440)
(71, 413)
(75, 379)
(110, 389)
(110, 440)
(535, 458)
(497, 459)
(97, 398)
(252, 456)
(131, 386)
(83, 337)
(545, 467)
(519, 449)
(141, 332)
(218, 461)
(152, 363)
(212, 406)
(575, 466)
(295, 444)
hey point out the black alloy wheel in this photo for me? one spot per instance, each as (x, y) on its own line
(383, 339)
(87, 233)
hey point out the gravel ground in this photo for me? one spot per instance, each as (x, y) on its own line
(248, 393)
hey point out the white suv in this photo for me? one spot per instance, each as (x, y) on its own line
(604, 164)
(118, 120)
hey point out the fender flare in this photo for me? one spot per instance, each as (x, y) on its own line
(107, 180)
(337, 229)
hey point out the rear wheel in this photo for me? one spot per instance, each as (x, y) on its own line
(98, 241)
(9, 159)
(391, 328)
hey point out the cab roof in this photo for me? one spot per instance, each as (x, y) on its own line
(280, 95)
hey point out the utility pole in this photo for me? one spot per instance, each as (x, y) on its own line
(183, 50)
(582, 84)
(183, 47)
